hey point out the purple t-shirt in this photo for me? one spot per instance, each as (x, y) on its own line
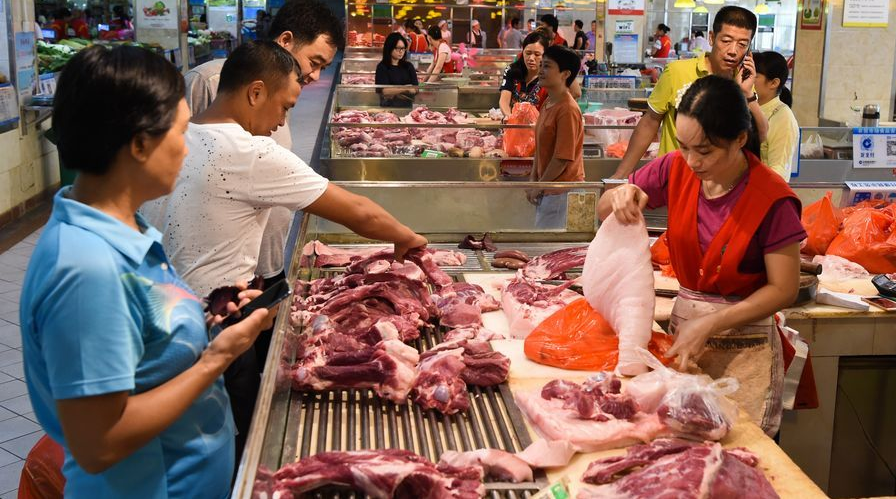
(781, 226)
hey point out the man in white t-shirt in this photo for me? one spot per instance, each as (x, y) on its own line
(234, 175)
(310, 31)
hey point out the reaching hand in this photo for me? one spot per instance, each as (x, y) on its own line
(628, 200)
(690, 340)
(415, 241)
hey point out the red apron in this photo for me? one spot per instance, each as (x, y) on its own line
(449, 66)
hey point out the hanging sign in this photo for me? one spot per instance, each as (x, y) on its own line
(810, 16)
(625, 7)
(866, 13)
(627, 26)
(156, 14)
(874, 148)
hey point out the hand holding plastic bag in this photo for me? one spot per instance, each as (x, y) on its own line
(520, 142)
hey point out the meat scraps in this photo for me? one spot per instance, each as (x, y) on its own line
(328, 256)
(674, 468)
(497, 464)
(618, 283)
(527, 303)
(554, 264)
(485, 244)
(445, 371)
(461, 304)
(381, 474)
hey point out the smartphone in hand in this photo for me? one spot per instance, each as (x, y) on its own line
(744, 72)
(271, 296)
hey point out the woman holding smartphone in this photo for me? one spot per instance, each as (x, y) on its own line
(118, 362)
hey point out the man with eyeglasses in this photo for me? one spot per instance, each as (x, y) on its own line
(732, 33)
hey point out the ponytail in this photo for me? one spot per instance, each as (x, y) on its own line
(786, 96)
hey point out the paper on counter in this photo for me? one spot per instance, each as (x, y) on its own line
(843, 300)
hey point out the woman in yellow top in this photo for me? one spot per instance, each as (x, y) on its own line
(780, 151)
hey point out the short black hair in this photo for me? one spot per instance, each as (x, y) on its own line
(733, 15)
(718, 104)
(566, 60)
(257, 60)
(434, 32)
(106, 97)
(579, 24)
(698, 33)
(552, 21)
(515, 22)
(307, 20)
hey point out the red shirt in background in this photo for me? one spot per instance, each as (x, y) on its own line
(665, 46)
(559, 40)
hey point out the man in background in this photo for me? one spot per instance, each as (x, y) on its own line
(592, 36)
(552, 28)
(581, 40)
(513, 38)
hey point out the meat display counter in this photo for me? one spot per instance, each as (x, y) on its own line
(289, 425)
(452, 138)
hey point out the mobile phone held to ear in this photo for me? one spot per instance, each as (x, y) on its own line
(744, 72)
(880, 302)
(271, 296)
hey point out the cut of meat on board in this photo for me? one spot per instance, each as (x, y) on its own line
(544, 453)
(527, 303)
(676, 469)
(497, 464)
(381, 474)
(553, 421)
(577, 337)
(552, 265)
(439, 385)
(590, 401)
(617, 281)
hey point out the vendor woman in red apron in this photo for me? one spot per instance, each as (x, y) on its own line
(734, 233)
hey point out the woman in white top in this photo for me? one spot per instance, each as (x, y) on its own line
(780, 151)
(446, 34)
(477, 36)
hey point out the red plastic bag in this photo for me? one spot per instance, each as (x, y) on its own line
(659, 252)
(821, 220)
(868, 238)
(520, 142)
(577, 337)
(42, 474)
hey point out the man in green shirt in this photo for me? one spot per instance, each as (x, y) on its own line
(732, 33)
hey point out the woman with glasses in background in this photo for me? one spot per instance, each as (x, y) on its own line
(394, 69)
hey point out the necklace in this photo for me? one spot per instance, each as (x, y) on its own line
(726, 189)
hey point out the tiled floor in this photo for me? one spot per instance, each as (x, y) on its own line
(19, 430)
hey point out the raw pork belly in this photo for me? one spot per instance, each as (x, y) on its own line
(497, 464)
(381, 474)
(527, 303)
(552, 265)
(618, 283)
(677, 469)
(547, 453)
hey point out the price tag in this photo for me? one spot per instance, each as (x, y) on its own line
(9, 108)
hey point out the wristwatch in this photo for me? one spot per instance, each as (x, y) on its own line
(753, 98)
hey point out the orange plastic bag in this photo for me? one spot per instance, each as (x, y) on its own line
(42, 474)
(868, 238)
(821, 220)
(659, 255)
(520, 142)
(577, 337)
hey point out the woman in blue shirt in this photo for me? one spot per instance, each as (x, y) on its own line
(118, 363)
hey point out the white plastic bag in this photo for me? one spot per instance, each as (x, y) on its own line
(813, 148)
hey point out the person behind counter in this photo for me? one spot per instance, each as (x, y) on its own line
(416, 38)
(559, 137)
(734, 234)
(119, 367)
(61, 17)
(552, 26)
(476, 37)
(520, 81)
(394, 69)
(513, 37)
(592, 36)
(581, 39)
(699, 43)
(77, 25)
(780, 150)
(662, 44)
(441, 56)
(446, 33)
(733, 31)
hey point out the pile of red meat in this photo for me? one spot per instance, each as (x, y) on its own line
(677, 468)
(355, 326)
(358, 79)
(412, 141)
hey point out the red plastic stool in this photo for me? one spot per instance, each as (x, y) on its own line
(42, 475)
